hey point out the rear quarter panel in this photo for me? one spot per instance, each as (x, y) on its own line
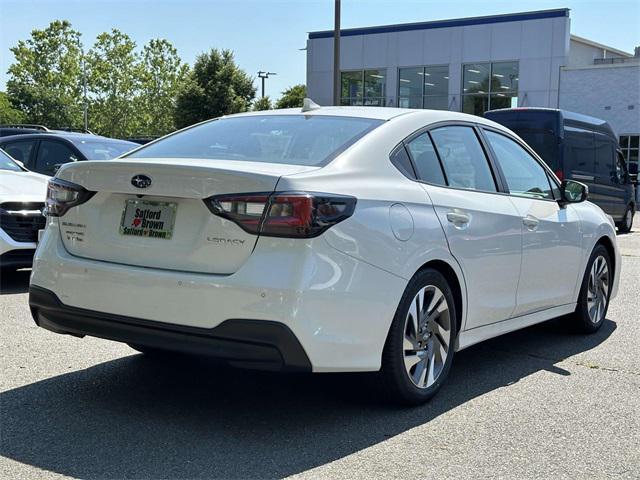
(394, 227)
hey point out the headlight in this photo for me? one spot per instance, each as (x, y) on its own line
(63, 195)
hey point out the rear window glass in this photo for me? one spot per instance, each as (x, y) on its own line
(103, 149)
(292, 139)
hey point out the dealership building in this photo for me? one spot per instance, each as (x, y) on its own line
(472, 65)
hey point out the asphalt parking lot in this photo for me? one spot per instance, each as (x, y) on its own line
(539, 403)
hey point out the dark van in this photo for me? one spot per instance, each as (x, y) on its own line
(577, 147)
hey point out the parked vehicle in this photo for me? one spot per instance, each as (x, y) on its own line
(326, 239)
(581, 148)
(22, 196)
(46, 152)
(25, 128)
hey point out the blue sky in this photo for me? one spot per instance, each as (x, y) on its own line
(267, 34)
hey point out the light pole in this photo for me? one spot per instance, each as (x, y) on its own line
(336, 55)
(264, 75)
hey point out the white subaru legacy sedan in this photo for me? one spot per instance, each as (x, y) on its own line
(327, 239)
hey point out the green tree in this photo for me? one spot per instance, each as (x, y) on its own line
(216, 86)
(8, 114)
(292, 97)
(263, 103)
(162, 73)
(113, 82)
(45, 81)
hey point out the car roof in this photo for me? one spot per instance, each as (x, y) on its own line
(378, 113)
(73, 137)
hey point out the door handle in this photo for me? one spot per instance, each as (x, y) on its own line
(458, 218)
(530, 222)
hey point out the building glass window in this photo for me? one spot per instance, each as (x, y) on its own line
(488, 86)
(363, 87)
(410, 87)
(629, 144)
(424, 87)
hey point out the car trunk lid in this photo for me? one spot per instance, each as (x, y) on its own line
(165, 224)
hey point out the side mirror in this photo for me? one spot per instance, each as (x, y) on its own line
(573, 192)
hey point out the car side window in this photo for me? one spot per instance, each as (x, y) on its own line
(20, 150)
(52, 155)
(463, 159)
(426, 160)
(524, 175)
(402, 162)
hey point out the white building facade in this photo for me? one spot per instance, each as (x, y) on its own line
(477, 64)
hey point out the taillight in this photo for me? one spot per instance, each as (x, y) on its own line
(560, 174)
(63, 195)
(283, 214)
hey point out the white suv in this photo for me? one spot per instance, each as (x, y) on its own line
(22, 195)
(330, 239)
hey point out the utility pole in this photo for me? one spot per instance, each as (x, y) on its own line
(264, 75)
(336, 55)
(85, 106)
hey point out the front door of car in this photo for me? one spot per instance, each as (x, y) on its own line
(551, 239)
(482, 226)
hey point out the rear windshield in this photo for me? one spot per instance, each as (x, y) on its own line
(292, 139)
(103, 149)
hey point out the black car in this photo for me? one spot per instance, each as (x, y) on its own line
(46, 152)
(578, 147)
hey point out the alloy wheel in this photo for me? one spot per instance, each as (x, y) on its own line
(427, 336)
(598, 290)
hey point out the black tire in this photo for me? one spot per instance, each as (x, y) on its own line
(581, 318)
(626, 224)
(397, 385)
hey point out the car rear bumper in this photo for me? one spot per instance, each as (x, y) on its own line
(338, 308)
(256, 344)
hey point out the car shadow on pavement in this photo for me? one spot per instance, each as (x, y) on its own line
(12, 282)
(145, 417)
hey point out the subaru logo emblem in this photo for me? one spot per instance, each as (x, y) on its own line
(141, 181)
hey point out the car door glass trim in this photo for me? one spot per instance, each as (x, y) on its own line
(500, 188)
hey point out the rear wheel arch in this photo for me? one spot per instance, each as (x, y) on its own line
(454, 282)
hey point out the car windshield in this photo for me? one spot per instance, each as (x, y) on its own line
(8, 163)
(103, 149)
(310, 140)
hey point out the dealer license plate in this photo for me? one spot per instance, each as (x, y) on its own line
(142, 218)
